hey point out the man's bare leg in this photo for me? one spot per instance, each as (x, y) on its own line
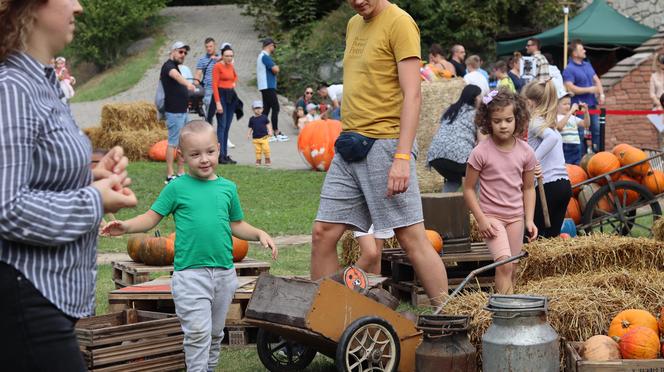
(324, 239)
(169, 160)
(426, 262)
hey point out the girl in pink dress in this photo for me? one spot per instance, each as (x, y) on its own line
(505, 166)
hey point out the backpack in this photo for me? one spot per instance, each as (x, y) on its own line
(160, 100)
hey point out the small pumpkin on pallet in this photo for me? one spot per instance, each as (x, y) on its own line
(639, 343)
(152, 250)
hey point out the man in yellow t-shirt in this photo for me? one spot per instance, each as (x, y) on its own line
(372, 177)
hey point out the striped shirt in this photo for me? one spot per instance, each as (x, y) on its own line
(49, 213)
(206, 65)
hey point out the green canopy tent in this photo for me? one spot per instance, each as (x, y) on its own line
(597, 24)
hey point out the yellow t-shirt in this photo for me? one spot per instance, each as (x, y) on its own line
(372, 94)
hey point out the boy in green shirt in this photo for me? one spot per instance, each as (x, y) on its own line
(207, 213)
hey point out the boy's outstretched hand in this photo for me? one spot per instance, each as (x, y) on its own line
(267, 242)
(115, 228)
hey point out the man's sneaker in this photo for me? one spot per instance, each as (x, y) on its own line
(230, 144)
(282, 137)
(169, 179)
(272, 139)
(230, 161)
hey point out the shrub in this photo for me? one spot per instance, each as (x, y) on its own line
(107, 27)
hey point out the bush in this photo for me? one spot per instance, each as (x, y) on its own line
(272, 17)
(107, 27)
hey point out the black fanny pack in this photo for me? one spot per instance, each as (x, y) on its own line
(353, 146)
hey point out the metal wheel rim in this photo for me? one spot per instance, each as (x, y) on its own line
(285, 353)
(371, 348)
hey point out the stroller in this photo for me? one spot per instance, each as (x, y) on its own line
(195, 101)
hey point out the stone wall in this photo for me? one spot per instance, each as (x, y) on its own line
(647, 12)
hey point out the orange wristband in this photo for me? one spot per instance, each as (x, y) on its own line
(402, 156)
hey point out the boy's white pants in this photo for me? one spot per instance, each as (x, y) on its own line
(202, 297)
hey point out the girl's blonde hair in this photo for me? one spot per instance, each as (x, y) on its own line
(544, 97)
(18, 17)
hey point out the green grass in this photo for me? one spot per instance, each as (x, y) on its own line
(281, 202)
(245, 359)
(120, 77)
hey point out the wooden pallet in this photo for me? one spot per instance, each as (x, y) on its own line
(127, 273)
(413, 293)
(131, 340)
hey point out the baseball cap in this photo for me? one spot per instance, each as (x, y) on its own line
(563, 93)
(179, 45)
(267, 41)
(257, 104)
(311, 106)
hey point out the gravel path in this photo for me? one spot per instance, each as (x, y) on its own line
(226, 24)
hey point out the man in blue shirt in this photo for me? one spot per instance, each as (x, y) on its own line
(203, 76)
(266, 77)
(580, 78)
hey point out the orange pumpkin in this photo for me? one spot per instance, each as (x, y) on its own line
(617, 149)
(633, 155)
(158, 151)
(639, 343)
(157, 251)
(576, 175)
(573, 211)
(134, 245)
(316, 143)
(632, 195)
(585, 160)
(654, 181)
(601, 163)
(240, 249)
(171, 236)
(435, 239)
(628, 319)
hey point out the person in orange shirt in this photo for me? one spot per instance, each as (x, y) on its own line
(224, 79)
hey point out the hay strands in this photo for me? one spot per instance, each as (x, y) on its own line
(476, 272)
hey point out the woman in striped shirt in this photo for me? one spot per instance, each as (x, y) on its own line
(51, 201)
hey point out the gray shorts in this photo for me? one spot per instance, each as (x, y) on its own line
(355, 193)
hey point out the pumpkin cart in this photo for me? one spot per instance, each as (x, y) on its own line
(615, 202)
(355, 324)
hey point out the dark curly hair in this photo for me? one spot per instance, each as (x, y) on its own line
(18, 18)
(503, 99)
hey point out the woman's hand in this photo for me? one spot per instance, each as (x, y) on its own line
(114, 162)
(267, 242)
(220, 108)
(113, 195)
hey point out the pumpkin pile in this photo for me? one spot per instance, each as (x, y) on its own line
(594, 165)
(633, 334)
(160, 251)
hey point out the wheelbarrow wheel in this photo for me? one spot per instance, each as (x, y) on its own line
(280, 355)
(612, 213)
(368, 344)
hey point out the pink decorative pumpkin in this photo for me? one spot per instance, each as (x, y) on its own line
(316, 143)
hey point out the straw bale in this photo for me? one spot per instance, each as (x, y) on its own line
(580, 305)
(130, 116)
(436, 98)
(135, 143)
(350, 248)
(553, 257)
(658, 230)
(94, 134)
(475, 236)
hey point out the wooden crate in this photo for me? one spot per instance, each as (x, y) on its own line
(413, 292)
(131, 340)
(574, 363)
(127, 273)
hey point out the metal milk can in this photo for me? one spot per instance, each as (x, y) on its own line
(446, 345)
(520, 337)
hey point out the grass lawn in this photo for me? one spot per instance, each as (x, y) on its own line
(120, 77)
(280, 202)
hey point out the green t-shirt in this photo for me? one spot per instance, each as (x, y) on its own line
(203, 211)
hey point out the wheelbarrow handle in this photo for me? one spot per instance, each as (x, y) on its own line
(474, 273)
(545, 206)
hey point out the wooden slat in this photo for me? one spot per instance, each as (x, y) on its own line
(130, 352)
(165, 363)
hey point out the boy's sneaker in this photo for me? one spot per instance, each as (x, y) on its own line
(169, 179)
(282, 137)
(230, 144)
(272, 139)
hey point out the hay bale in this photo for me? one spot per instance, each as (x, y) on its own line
(94, 134)
(658, 230)
(130, 116)
(580, 305)
(475, 236)
(135, 143)
(436, 98)
(350, 248)
(553, 257)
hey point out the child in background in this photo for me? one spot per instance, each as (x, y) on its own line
(312, 113)
(505, 165)
(301, 118)
(547, 142)
(260, 132)
(207, 214)
(67, 81)
(568, 126)
(504, 81)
